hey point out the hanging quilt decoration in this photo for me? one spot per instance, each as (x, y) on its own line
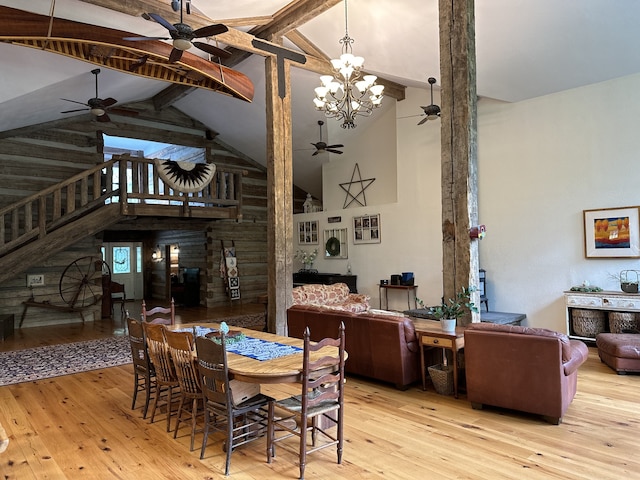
(186, 177)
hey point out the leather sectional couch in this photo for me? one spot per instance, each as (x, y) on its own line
(380, 346)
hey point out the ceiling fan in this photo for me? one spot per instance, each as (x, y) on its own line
(98, 106)
(431, 112)
(183, 35)
(323, 147)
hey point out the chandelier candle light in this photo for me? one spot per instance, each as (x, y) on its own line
(348, 92)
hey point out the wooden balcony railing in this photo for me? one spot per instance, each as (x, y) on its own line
(145, 194)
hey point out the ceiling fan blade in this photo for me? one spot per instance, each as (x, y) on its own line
(74, 101)
(316, 152)
(335, 146)
(334, 151)
(138, 39)
(210, 31)
(107, 102)
(423, 120)
(163, 22)
(175, 55)
(103, 118)
(212, 49)
(78, 110)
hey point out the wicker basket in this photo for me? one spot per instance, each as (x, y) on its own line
(588, 323)
(442, 378)
(619, 321)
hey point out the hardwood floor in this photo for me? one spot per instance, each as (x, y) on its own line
(82, 426)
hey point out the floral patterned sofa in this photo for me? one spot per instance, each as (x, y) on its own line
(334, 297)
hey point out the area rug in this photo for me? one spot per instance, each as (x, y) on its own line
(254, 321)
(55, 360)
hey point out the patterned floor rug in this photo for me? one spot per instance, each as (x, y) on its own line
(55, 360)
(255, 321)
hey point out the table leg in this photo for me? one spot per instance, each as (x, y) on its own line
(380, 289)
(455, 372)
(422, 367)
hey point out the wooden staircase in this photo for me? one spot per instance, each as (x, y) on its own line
(91, 201)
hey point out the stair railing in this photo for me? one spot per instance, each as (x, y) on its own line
(145, 193)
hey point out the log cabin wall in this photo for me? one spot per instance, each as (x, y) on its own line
(35, 157)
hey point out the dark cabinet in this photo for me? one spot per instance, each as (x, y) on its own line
(302, 278)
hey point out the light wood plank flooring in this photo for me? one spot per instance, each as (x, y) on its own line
(81, 426)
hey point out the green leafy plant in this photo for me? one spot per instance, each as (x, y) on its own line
(454, 307)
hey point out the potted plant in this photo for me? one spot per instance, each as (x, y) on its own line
(448, 312)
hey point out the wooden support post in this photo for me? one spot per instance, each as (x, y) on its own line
(459, 148)
(279, 195)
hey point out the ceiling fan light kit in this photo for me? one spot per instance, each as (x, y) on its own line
(347, 93)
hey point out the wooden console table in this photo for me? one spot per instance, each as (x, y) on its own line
(407, 288)
(605, 301)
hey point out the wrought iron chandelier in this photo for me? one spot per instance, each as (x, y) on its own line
(348, 93)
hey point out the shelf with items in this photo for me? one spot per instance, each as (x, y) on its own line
(590, 313)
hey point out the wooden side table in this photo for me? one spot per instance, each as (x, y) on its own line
(407, 288)
(430, 335)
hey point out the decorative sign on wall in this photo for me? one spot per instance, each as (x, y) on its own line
(366, 229)
(359, 186)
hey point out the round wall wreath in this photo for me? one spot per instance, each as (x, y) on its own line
(333, 247)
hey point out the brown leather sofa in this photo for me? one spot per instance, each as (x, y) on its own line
(382, 347)
(532, 370)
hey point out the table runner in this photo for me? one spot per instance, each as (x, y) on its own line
(259, 349)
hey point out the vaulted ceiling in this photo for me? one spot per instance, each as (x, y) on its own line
(524, 49)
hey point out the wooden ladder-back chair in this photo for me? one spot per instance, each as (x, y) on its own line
(166, 379)
(162, 315)
(144, 375)
(181, 348)
(319, 407)
(242, 422)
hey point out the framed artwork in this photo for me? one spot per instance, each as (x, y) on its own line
(366, 229)
(612, 233)
(308, 233)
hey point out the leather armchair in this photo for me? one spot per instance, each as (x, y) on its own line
(532, 370)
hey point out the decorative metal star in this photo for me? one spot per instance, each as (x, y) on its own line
(363, 187)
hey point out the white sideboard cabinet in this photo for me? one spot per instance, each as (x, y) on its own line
(602, 301)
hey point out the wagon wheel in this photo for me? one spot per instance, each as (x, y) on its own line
(81, 282)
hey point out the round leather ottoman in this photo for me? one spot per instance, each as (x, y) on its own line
(620, 351)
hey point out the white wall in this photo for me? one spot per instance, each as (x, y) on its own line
(540, 164)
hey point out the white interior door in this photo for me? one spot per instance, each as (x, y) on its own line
(125, 260)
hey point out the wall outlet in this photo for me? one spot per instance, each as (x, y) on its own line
(35, 280)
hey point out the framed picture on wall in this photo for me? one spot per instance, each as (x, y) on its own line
(308, 233)
(612, 233)
(366, 229)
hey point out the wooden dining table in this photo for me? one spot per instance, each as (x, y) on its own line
(285, 369)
